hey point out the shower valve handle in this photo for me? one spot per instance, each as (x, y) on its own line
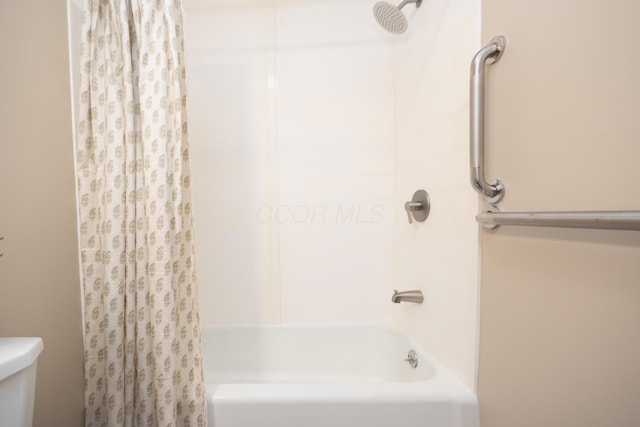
(418, 207)
(411, 207)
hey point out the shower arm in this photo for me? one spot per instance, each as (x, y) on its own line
(489, 54)
(406, 2)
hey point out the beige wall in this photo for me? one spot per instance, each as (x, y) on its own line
(39, 285)
(560, 309)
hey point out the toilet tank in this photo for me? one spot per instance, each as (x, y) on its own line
(18, 358)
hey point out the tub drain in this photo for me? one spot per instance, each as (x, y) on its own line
(412, 358)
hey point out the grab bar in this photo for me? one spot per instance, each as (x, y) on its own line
(604, 220)
(489, 54)
(494, 190)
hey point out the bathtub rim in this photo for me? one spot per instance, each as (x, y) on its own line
(443, 387)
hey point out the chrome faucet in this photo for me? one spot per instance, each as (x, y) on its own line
(408, 296)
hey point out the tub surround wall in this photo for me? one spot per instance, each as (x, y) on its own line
(311, 126)
(438, 256)
(39, 285)
(292, 118)
(334, 75)
(228, 63)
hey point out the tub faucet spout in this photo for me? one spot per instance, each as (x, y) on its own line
(408, 296)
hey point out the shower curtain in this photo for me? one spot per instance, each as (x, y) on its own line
(143, 363)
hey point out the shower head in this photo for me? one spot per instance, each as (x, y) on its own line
(390, 17)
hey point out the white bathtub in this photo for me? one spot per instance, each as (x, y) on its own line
(334, 375)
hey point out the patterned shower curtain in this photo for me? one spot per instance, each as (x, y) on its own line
(143, 364)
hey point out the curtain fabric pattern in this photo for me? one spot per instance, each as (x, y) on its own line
(143, 364)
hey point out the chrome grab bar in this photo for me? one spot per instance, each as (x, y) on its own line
(489, 54)
(604, 220)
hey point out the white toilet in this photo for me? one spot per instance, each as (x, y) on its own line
(18, 358)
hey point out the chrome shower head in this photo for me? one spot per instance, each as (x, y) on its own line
(390, 17)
